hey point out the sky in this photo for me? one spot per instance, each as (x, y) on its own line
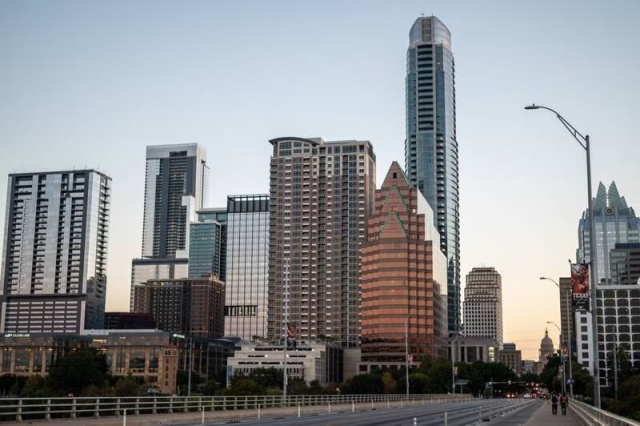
(89, 84)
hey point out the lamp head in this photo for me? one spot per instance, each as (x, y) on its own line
(543, 278)
(532, 106)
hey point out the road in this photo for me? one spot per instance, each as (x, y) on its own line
(458, 414)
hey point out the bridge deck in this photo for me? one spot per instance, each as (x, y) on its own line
(543, 416)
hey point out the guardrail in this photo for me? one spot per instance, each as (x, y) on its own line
(21, 409)
(590, 415)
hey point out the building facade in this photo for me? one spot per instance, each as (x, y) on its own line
(511, 357)
(55, 252)
(191, 306)
(128, 321)
(403, 274)
(147, 356)
(615, 222)
(247, 266)
(321, 362)
(431, 147)
(471, 349)
(321, 196)
(208, 244)
(483, 304)
(176, 186)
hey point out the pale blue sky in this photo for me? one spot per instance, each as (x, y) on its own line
(87, 83)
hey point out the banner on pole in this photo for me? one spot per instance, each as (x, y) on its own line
(580, 285)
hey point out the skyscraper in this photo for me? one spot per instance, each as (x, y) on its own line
(614, 222)
(321, 197)
(176, 186)
(55, 252)
(403, 275)
(247, 266)
(431, 148)
(208, 244)
(483, 304)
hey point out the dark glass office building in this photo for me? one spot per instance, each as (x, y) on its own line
(431, 148)
(247, 267)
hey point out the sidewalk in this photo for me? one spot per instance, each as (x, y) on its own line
(543, 416)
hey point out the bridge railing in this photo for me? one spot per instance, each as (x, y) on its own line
(590, 415)
(20, 409)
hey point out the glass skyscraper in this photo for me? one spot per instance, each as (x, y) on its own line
(176, 186)
(431, 148)
(614, 221)
(208, 244)
(247, 266)
(55, 252)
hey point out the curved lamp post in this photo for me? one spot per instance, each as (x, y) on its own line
(584, 143)
(564, 377)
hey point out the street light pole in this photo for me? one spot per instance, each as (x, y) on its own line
(285, 327)
(585, 144)
(571, 319)
(190, 364)
(564, 377)
(406, 353)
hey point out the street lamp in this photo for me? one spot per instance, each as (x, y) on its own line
(570, 318)
(285, 378)
(183, 337)
(564, 378)
(584, 143)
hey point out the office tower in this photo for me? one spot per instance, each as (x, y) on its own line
(192, 306)
(207, 244)
(625, 264)
(431, 148)
(321, 195)
(176, 186)
(614, 222)
(247, 266)
(55, 252)
(403, 271)
(483, 304)
(567, 314)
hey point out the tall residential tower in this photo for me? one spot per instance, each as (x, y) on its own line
(321, 197)
(431, 148)
(55, 252)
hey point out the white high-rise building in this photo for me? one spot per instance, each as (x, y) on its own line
(55, 252)
(176, 186)
(483, 304)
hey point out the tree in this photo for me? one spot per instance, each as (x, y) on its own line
(363, 384)
(127, 386)
(390, 384)
(243, 386)
(78, 370)
(629, 398)
(35, 387)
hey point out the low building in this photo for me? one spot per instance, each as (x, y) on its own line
(471, 349)
(148, 355)
(511, 357)
(321, 362)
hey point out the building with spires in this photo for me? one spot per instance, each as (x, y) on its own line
(431, 147)
(615, 222)
(403, 276)
(617, 232)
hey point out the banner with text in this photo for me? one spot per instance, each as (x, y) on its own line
(580, 285)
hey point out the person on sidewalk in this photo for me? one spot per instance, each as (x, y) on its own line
(564, 401)
(554, 404)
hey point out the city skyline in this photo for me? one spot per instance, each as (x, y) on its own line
(91, 85)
